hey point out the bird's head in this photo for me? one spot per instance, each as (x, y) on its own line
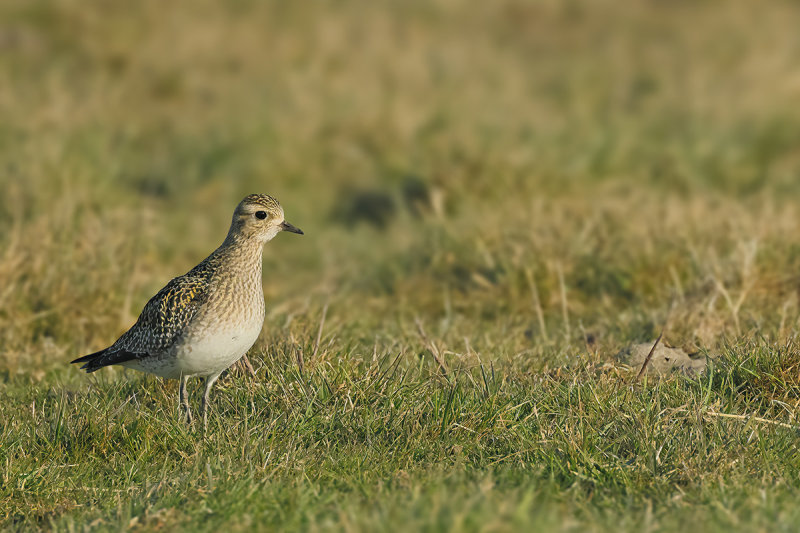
(260, 217)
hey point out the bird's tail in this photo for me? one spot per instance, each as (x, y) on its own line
(94, 361)
(109, 356)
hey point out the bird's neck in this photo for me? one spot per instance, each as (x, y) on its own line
(242, 255)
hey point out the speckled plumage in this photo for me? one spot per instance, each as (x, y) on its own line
(202, 322)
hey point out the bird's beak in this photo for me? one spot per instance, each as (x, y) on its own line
(285, 226)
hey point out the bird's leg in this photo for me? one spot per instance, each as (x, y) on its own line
(204, 405)
(185, 400)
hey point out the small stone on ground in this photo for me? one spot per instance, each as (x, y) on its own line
(664, 361)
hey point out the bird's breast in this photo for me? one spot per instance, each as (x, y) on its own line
(226, 327)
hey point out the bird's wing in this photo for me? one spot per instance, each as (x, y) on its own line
(167, 313)
(161, 323)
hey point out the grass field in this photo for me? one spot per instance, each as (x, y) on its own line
(522, 188)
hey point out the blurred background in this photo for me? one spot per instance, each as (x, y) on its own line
(529, 179)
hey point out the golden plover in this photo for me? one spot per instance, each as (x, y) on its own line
(204, 321)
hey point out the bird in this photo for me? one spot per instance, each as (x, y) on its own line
(204, 321)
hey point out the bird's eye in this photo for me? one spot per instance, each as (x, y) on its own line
(261, 215)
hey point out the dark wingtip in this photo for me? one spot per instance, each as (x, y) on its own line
(89, 369)
(88, 359)
(103, 358)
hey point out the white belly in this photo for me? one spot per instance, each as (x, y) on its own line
(214, 353)
(202, 355)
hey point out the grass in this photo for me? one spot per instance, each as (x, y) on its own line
(535, 185)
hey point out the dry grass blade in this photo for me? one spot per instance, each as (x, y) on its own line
(537, 304)
(564, 304)
(649, 356)
(431, 346)
(319, 331)
(747, 418)
(244, 365)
